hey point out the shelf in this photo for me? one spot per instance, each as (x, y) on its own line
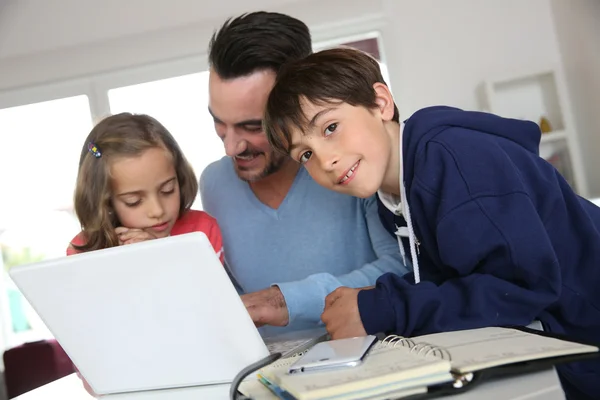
(528, 97)
(534, 95)
(553, 136)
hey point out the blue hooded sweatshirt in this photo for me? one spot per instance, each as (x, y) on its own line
(500, 238)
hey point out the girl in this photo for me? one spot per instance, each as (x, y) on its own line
(134, 184)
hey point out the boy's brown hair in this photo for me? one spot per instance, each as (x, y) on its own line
(121, 135)
(334, 76)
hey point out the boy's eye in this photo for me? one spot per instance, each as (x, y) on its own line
(330, 129)
(304, 157)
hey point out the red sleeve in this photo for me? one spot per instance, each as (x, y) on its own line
(214, 235)
(199, 221)
(78, 241)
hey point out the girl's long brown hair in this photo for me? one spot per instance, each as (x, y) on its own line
(121, 135)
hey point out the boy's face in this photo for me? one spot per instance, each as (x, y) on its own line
(344, 148)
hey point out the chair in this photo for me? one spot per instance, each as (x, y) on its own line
(34, 364)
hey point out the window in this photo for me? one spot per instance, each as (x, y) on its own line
(181, 105)
(39, 153)
(370, 43)
(42, 132)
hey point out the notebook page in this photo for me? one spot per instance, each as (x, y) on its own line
(385, 369)
(256, 390)
(478, 349)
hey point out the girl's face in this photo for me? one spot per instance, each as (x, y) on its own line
(145, 191)
(344, 148)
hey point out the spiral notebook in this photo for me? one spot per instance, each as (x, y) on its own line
(398, 367)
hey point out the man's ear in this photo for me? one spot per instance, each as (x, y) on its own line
(384, 100)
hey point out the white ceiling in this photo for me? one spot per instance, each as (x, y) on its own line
(34, 26)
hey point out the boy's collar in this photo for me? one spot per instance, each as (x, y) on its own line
(391, 201)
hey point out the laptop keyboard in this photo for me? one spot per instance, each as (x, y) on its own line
(285, 346)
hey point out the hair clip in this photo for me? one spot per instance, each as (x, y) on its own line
(92, 148)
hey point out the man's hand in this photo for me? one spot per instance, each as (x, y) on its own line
(341, 316)
(267, 307)
(128, 236)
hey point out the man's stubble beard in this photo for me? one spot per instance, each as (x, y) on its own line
(275, 162)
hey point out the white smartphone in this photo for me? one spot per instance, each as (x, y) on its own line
(334, 354)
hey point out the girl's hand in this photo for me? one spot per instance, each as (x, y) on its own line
(86, 385)
(128, 236)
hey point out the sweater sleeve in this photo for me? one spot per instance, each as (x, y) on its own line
(305, 298)
(77, 240)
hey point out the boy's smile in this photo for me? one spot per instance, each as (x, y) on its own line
(349, 176)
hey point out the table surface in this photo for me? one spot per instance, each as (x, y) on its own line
(540, 385)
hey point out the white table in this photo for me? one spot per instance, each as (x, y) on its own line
(540, 385)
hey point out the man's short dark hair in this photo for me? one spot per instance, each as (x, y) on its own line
(257, 41)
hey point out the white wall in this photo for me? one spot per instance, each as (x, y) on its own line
(437, 51)
(31, 26)
(440, 51)
(41, 43)
(578, 31)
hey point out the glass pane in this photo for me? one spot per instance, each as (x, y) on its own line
(370, 46)
(181, 105)
(39, 153)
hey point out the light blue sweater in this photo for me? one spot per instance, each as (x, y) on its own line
(316, 241)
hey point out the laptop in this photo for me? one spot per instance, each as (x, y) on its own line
(160, 314)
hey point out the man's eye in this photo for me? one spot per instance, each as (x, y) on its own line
(330, 129)
(304, 157)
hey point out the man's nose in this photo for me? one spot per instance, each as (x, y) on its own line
(234, 145)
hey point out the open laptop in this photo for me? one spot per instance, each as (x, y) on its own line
(153, 315)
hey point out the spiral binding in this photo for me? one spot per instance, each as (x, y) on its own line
(424, 349)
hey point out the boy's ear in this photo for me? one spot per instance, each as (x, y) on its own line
(384, 100)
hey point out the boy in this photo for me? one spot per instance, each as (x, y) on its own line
(495, 234)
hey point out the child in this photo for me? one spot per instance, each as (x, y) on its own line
(134, 184)
(495, 234)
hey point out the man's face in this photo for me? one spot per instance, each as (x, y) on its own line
(237, 106)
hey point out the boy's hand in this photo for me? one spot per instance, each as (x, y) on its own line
(128, 236)
(341, 316)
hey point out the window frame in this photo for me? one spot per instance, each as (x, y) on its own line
(97, 86)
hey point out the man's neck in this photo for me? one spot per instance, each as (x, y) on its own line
(271, 190)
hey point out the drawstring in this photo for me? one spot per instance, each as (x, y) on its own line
(411, 237)
(401, 231)
(411, 233)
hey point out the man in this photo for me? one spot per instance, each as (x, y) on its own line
(289, 242)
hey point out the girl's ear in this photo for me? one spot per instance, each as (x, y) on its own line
(384, 101)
